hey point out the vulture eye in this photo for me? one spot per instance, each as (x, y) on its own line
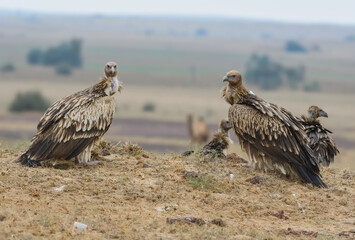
(108, 66)
(115, 66)
(233, 76)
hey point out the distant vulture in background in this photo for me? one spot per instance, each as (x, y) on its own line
(218, 146)
(198, 131)
(71, 126)
(321, 143)
(271, 136)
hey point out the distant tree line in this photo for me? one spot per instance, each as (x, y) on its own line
(64, 57)
(269, 75)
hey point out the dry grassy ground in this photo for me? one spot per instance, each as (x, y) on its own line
(132, 193)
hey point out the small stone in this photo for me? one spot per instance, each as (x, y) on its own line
(59, 189)
(105, 152)
(145, 165)
(191, 174)
(2, 218)
(218, 222)
(80, 226)
(189, 220)
(276, 195)
(257, 180)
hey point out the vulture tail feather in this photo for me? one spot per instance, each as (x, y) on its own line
(26, 161)
(308, 176)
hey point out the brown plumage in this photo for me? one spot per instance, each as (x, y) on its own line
(71, 126)
(320, 140)
(272, 137)
(198, 131)
(218, 146)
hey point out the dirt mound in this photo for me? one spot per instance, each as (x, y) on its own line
(134, 194)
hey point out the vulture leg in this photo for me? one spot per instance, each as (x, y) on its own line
(84, 157)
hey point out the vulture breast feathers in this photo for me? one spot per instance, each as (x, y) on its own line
(272, 137)
(71, 126)
(320, 141)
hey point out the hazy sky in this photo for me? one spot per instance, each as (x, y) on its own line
(314, 11)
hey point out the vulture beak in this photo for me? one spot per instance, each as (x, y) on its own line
(322, 113)
(113, 69)
(225, 79)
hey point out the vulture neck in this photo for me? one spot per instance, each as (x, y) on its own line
(222, 130)
(310, 118)
(239, 92)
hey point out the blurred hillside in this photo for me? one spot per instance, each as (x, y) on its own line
(178, 51)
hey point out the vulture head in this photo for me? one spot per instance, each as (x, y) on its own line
(112, 84)
(111, 69)
(224, 126)
(234, 78)
(315, 112)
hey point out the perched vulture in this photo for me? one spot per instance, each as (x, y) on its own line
(71, 126)
(271, 136)
(321, 143)
(218, 146)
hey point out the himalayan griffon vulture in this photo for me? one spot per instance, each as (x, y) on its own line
(271, 136)
(71, 126)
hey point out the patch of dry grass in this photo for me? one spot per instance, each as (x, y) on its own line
(122, 199)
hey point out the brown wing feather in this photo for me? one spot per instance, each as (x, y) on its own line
(320, 141)
(217, 145)
(270, 134)
(70, 125)
(273, 110)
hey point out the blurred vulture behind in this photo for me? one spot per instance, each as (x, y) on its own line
(198, 131)
(321, 142)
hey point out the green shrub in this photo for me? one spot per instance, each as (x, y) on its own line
(29, 101)
(149, 107)
(8, 67)
(34, 56)
(312, 87)
(294, 46)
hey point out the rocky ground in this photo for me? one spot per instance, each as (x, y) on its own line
(133, 194)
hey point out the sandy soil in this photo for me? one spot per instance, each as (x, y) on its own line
(134, 194)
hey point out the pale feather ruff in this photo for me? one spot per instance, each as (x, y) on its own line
(113, 87)
(114, 84)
